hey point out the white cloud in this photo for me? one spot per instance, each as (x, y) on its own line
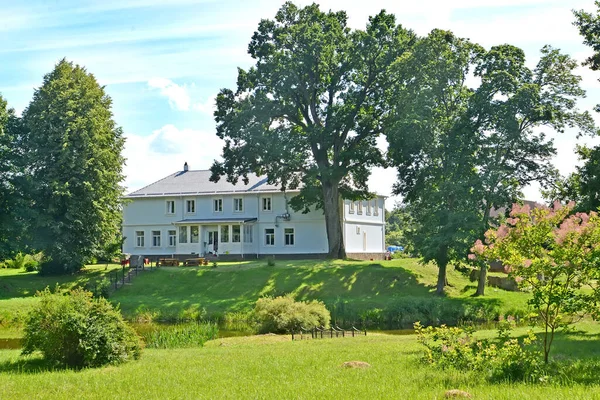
(178, 95)
(150, 158)
(207, 107)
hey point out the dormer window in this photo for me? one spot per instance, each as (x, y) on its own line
(170, 207)
(351, 207)
(360, 207)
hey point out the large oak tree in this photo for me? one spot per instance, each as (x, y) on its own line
(308, 113)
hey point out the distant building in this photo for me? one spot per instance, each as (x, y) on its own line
(184, 213)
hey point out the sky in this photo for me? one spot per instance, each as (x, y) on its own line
(163, 62)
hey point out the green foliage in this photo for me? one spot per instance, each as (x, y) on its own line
(555, 256)
(23, 261)
(77, 330)
(399, 224)
(283, 314)
(74, 162)
(461, 150)
(180, 335)
(308, 113)
(100, 288)
(270, 261)
(506, 359)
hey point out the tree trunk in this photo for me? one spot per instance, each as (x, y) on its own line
(333, 220)
(442, 278)
(482, 280)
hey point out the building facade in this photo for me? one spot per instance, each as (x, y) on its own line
(185, 214)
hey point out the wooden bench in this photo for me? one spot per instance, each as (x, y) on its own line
(194, 262)
(170, 262)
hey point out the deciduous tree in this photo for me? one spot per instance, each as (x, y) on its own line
(308, 113)
(73, 150)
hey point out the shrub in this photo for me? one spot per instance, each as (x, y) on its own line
(181, 335)
(100, 288)
(505, 359)
(282, 314)
(271, 261)
(77, 330)
(17, 262)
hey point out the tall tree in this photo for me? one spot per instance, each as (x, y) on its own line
(13, 206)
(477, 145)
(73, 149)
(310, 110)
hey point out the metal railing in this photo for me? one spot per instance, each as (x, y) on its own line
(302, 333)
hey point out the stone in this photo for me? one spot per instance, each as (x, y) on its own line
(454, 393)
(356, 364)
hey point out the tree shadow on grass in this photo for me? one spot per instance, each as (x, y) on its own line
(30, 365)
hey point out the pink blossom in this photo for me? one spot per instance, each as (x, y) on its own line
(556, 205)
(472, 257)
(502, 231)
(527, 263)
(512, 221)
(518, 279)
(571, 204)
(478, 247)
(518, 209)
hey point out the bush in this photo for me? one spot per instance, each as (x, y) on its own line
(100, 288)
(77, 330)
(505, 359)
(282, 314)
(270, 261)
(18, 262)
(181, 335)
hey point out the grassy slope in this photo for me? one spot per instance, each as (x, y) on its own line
(273, 367)
(18, 287)
(236, 286)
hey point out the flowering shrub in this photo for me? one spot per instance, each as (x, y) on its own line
(505, 359)
(554, 254)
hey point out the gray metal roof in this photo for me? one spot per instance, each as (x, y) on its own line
(197, 183)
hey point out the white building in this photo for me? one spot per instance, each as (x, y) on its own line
(185, 214)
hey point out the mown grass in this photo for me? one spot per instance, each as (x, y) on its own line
(274, 367)
(359, 286)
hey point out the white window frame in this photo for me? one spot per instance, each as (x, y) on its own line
(197, 236)
(170, 210)
(154, 237)
(187, 236)
(351, 208)
(172, 237)
(359, 208)
(187, 206)
(233, 234)
(292, 235)
(238, 204)
(263, 203)
(218, 205)
(228, 230)
(271, 235)
(248, 232)
(138, 242)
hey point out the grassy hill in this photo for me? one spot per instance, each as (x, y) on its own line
(351, 289)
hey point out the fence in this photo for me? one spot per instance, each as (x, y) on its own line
(322, 333)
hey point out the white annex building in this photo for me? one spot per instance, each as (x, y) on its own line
(185, 214)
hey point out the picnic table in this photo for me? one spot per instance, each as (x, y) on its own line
(171, 262)
(194, 262)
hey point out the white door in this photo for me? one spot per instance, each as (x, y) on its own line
(213, 241)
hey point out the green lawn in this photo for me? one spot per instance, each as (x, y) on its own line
(359, 285)
(274, 367)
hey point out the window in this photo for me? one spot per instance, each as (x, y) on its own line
(194, 234)
(375, 207)
(172, 238)
(238, 205)
(358, 230)
(183, 234)
(235, 233)
(360, 207)
(139, 238)
(218, 205)
(351, 209)
(270, 237)
(224, 233)
(248, 233)
(190, 206)
(368, 207)
(170, 207)
(155, 238)
(267, 204)
(288, 235)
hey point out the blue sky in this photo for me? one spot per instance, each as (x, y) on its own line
(163, 62)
